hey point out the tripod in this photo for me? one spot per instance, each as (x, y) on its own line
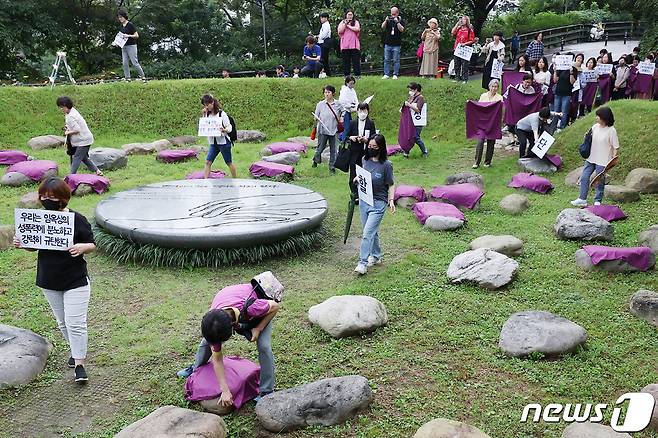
(61, 57)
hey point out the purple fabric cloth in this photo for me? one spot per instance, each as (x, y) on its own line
(483, 120)
(589, 93)
(176, 155)
(530, 182)
(630, 83)
(605, 85)
(423, 210)
(637, 257)
(407, 132)
(465, 194)
(265, 168)
(403, 191)
(286, 146)
(215, 174)
(242, 377)
(512, 78)
(518, 105)
(607, 212)
(393, 149)
(100, 184)
(35, 170)
(555, 160)
(642, 84)
(12, 157)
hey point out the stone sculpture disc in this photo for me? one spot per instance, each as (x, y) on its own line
(211, 213)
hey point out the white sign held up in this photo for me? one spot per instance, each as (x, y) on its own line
(210, 127)
(543, 144)
(364, 185)
(497, 69)
(590, 75)
(44, 229)
(120, 39)
(646, 68)
(464, 52)
(576, 85)
(563, 62)
(604, 69)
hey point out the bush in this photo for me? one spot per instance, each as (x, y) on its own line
(649, 42)
(525, 22)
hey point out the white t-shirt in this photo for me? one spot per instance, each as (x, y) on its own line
(226, 124)
(325, 32)
(604, 144)
(347, 98)
(75, 122)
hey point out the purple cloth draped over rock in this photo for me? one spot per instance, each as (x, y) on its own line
(215, 174)
(518, 105)
(465, 194)
(531, 182)
(265, 168)
(407, 132)
(35, 170)
(100, 184)
(242, 377)
(511, 78)
(589, 93)
(607, 212)
(642, 84)
(393, 149)
(555, 160)
(483, 120)
(605, 85)
(403, 191)
(286, 146)
(176, 155)
(423, 210)
(638, 256)
(12, 157)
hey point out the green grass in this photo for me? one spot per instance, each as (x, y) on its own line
(438, 357)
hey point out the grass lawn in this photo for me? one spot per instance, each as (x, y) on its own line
(438, 356)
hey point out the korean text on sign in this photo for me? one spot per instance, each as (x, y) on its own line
(44, 229)
(464, 52)
(364, 185)
(543, 144)
(210, 127)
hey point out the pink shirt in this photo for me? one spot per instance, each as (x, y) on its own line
(350, 39)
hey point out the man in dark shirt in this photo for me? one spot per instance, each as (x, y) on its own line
(312, 55)
(129, 50)
(515, 45)
(393, 27)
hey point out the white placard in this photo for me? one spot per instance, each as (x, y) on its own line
(646, 68)
(464, 52)
(120, 40)
(604, 69)
(420, 119)
(44, 229)
(576, 85)
(543, 144)
(210, 127)
(497, 69)
(563, 62)
(364, 185)
(590, 75)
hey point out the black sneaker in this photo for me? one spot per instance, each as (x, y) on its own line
(314, 164)
(71, 362)
(80, 374)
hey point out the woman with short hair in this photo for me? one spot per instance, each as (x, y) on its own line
(490, 96)
(495, 51)
(431, 38)
(535, 49)
(78, 136)
(129, 50)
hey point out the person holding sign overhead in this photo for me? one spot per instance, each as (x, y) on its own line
(62, 275)
(495, 55)
(218, 143)
(382, 189)
(129, 49)
(464, 36)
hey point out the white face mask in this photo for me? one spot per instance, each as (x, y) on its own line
(363, 115)
(412, 93)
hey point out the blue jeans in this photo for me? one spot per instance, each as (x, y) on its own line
(561, 105)
(391, 55)
(585, 178)
(216, 149)
(371, 217)
(419, 141)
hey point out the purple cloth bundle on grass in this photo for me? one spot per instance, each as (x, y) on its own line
(403, 191)
(265, 168)
(518, 105)
(215, 174)
(531, 182)
(555, 160)
(393, 149)
(242, 376)
(483, 120)
(407, 132)
(176, 155)
(511, 78)
(12, 157)
(605, 85)
(589, 93)
(423, 210)
(465, 194)
(35, 170)
(637, 257)
(286, 146)
(607, 212)
(100, 184)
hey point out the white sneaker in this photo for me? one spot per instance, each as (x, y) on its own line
(475, 166)
(361, 269)
(385, 77)
(579, 203)
(372, 261)
(395, 77)
(597, 203)
(487, 165)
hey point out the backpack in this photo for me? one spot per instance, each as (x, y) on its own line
(233, 135)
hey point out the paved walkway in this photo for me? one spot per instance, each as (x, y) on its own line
(617, 48)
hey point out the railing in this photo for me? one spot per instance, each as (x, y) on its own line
(579, 33)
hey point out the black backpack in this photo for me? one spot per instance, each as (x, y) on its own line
(233, 135)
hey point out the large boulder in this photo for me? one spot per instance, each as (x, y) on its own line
(484, 266)
(653, 390)
(16, 179)
(591, 430)
(46, 142)
(578, 224)
(621, 193)
(183, 140)
(326, 402)
(406, 201)
(536, 165)
(584, 261)
(442, 223)
(514, 203)
(172, 421)
(30, 200)
(348, 315)
(83, 189)
(251, 136)
(6, 237)
(642, 180)
(109, 158)
(306, 141)
(506, 244)
(23, 355)
(466, 177)
(649, 237)
(289, 158)
(146, 148)
(644, 304)
(573, 178)
(444, 428)
(536, 331)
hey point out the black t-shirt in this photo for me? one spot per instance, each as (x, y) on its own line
(59, 270)
(394, 39)
(563, 86)
(129, 29)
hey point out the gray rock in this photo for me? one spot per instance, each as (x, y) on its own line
(348, 315)
(108, 158)
(251, 136)
(183, 140)
(536, 165)
(306, 141)
(578, 224)
(214, 407)
(326, 402)
(23, 355)
(30, 200)
(138, 148)
(649, 237)
(46, 142)
(584, 261)
(573, 178)
(514, 203)
(621, 193)
(644, 304)
(15, 179)
(642, 180)
(406, 201)
(536, 331)
(172, 421)
(509, 245)
(444, 428)
(161, 145)
(653, 390)
(6, 237)
(265, 152)
(443, 223)
(484, 266)
(326, 155)
(83, 190)
(591, 430)
(289, 158)
(465, 177)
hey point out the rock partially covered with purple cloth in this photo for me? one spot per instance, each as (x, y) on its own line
(271, 170)
(577, 224)
(283, 146)
(176, 155)
(27, 172)
(9, 157)
(423, 210)
(536, 165)
(405, 195)
(531, 182)
(98, 184)
(607, 212)
(613, 259)
(462, 195)
(199, 174)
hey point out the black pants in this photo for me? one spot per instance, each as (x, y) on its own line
(356, 155)
(526, 138)
(351, 57)
(311, 72)
(461, 69)
(619, 94)
(490, 151)
(324, 57)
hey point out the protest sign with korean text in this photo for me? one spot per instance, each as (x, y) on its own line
(120, 39)
(464, 52)
(210, 127)
(44, 229)
(543, 144)
(563, 62)
(646, 68)
(590, 75)
(497, 69)
(364, 185)
(604, 69)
